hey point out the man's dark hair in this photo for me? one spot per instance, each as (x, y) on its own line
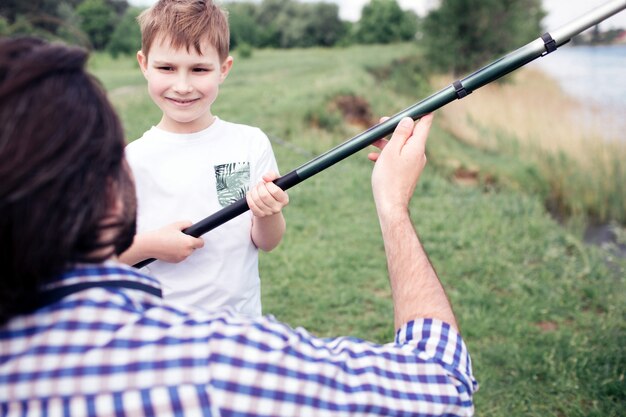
(61, 168)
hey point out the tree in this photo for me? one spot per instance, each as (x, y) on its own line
(4, 26)
(462, 35)
(285, 24)
(98, 20)
(325, 27)
(243, 26)
(69, 26)
(305, 25)
(126, 38)
(383, 21)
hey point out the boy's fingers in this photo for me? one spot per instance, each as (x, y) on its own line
(197, 243)
(270, 176)
(276, 192)
(183, 224)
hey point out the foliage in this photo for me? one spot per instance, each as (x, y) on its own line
(285, 24)
(126, 38)
(107, 24)
(38, 12)
(465, 34)
(82, 22)
(243, 26)
(4, 26)
(244, 50)
(383, 21)
(69, 30)
(97, 21)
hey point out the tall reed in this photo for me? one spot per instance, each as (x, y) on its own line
(528, 116)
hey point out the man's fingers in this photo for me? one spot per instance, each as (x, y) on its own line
(373, 156)
(403, 132)
(420, 133)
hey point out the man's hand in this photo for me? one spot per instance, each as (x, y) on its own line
(399, 165)
(415, 287)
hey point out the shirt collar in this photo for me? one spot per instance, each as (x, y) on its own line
(108, 271)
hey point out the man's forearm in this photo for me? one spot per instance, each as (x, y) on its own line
(416, 290)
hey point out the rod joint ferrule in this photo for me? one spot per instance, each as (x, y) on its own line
(460, 90)
(549, 43)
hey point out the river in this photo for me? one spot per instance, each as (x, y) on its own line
(596, 76)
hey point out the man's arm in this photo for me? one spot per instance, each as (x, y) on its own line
(416, 290)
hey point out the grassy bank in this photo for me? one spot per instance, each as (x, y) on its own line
(542, 313)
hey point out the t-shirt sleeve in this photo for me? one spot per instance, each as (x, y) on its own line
(266, 161)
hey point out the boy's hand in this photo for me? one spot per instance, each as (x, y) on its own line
(266, 198)
(170, 244)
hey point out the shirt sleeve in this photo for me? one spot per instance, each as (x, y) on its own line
(426, 371)
(266, 161)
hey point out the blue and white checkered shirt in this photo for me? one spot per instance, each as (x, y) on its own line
(125, 352)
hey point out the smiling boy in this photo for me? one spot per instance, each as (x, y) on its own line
(192, 164)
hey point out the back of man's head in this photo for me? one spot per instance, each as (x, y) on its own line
(185, 24)
(61, 164)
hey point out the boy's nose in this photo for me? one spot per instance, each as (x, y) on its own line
(182, 85)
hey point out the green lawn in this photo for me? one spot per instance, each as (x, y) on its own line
(542, 313)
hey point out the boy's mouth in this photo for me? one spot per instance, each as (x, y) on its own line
(181, 102)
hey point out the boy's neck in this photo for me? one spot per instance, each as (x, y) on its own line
(171, 126)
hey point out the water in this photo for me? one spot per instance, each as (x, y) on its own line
(596, 77)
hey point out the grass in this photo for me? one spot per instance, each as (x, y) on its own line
(543, 314)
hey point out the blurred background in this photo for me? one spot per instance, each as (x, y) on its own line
(522, 207)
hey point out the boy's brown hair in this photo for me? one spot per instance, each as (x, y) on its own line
(185, 23)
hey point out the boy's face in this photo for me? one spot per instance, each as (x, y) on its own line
(183, 84)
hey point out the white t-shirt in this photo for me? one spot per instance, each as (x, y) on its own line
(189, 177)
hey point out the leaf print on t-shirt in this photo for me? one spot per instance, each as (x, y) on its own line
(232, 181)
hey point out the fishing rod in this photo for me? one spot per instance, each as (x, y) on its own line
(547, 43)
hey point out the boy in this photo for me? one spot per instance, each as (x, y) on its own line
(192, 164)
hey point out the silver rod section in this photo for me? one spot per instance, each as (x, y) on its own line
(589, 19)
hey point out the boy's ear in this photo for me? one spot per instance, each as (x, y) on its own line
(143, 62)
(225, 68)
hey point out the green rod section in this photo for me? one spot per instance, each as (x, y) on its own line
(483, 76)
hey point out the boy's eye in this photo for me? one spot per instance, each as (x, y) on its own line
(165, 68)
(201, 70)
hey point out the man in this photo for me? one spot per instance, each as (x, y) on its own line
(82, 334)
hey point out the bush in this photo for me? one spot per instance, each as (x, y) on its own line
(244, 50)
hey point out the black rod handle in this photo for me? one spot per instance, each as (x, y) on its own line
(228, 213)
